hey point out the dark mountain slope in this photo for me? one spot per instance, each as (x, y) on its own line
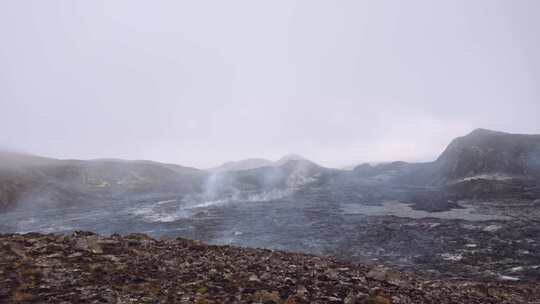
(483, 164)
(489, 164)
(245, 164)
(255, 163)
(28, 179)
(492, 157)
(291, 175)
(491, 153)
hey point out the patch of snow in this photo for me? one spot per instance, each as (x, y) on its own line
(491, 228)
(508, 278)
(165, 202)
(454, 257)
(496, 177)
(516, 269)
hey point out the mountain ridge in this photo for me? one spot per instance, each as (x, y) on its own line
(254, 163)
(482, 153)
(483, 163)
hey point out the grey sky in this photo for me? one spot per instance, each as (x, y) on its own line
(202, 82)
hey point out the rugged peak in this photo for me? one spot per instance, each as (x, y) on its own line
(491, 135)
(482, 131)
(491, 152)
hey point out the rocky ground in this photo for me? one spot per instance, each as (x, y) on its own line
(86, 268)
(503, 243)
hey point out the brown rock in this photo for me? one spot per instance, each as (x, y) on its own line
(139, 269)
(296, 299)
(378, 300)
(17, 249)
(89, 243)
(354, 298)
(264, 296)
(384, 274)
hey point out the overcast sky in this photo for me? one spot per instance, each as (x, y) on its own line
(202, 82)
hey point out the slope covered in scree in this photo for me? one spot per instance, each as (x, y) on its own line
(88, 268)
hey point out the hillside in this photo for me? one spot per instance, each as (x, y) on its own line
(245, 164)
(86, 268)
(27, 179)
(483, 163)
(255, 163)
(485, 154)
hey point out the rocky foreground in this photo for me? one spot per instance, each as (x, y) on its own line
(88, 268)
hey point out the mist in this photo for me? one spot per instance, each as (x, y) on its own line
(287, 151)
(202, 83)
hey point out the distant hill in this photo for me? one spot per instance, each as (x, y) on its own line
(26, 177)
(482, 154)
(486, 154)
(287, 177)
(33, 180)
(290, 157)
(245, 164)
(481, 163)
(254, 163)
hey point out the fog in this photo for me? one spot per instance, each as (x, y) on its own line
(201, 83)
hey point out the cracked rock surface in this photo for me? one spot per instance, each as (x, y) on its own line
(87, 268)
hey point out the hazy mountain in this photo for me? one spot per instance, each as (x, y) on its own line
(492, 164)
(481, 163)
(290, 157)
(254, 163)
(246, 164)
(486, 154)
(32, 178)
(28, 179)
(279, 180)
